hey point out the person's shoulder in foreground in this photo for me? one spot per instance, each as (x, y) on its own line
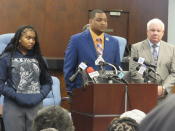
(160, 118)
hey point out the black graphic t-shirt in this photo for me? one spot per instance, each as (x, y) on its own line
(25, 75)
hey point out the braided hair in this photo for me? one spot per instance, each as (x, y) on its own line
(123, 124)
(14, 44)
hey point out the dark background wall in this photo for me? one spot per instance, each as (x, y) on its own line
(57, 20)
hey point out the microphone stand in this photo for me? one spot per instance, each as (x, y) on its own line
(126, 87)
(126, 97)
(126, 92)
(116, 72)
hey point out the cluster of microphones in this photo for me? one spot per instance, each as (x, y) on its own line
(117, 75)
(147, 69)
(89, 75)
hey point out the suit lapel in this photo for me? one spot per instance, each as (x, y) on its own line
(106, 45)
(90, 44)
(161, 55)
(147, 52)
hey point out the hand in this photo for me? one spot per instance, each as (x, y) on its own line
(9, 92)
(69, 93)
(28, 100)
(69, 98)
(161, 91)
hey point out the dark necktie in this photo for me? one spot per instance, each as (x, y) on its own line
(155, 54)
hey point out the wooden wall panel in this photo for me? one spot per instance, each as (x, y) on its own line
(63, 19)
(57, 20)
(141, 12)
(109, 4)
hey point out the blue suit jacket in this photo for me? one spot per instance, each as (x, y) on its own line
(81, 49)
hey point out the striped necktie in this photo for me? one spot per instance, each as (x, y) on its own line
(155, 54)
(99, 47)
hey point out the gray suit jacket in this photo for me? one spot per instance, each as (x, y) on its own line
(165, 64)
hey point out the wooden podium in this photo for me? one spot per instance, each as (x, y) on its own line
(94, 106)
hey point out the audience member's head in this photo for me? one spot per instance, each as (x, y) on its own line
(123, 124)
(49, 129)
(135, 114)
(161, 118)
(127, 121)
(53, 117)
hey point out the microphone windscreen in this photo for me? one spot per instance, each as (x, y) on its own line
(138, 67)
(135, 59)
(90, 69)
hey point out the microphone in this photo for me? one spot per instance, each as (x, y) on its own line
(121, 75)
(148, 73)
(136, 59)
(100, 61)
(141, 69)
(90, 69)
(93, 74)
(98, 76)
(156, 75)
(82, 66)
(85, 77)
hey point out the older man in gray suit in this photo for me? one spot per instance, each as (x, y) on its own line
(156, 52)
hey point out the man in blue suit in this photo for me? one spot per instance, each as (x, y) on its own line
(83, 47)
